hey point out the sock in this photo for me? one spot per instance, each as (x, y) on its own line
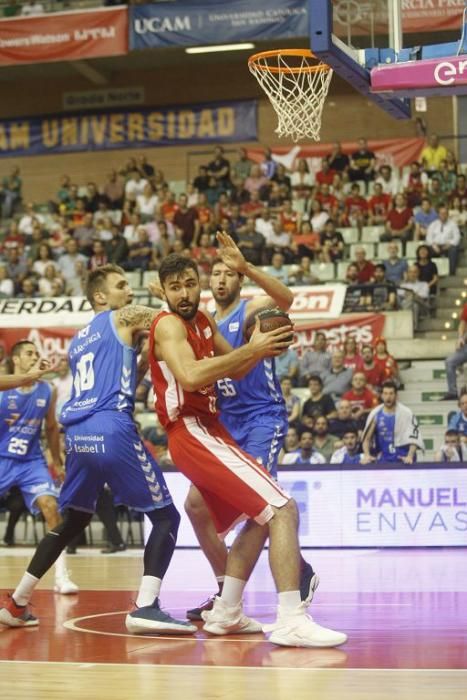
(149, 590)
(60, 566)
(24, 590)
(232, 590)
(220, 582)
(289, 600)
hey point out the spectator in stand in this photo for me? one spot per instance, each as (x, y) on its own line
(306, 243)
(204, 253)
(279, 241)
(289, 218)
(63, 194)
(265, 223)
(457, 358)
(222, 208)
(242, 167)
(391, 432)
(281, 178)
(37, 238)
(351, 276)
(361, 399)
(374, 375)
(323, 441)
(362, 163)
(436, 195)
(318, 403)
(395, 267)
(318, 216)
(204, 216)
(287, 365)
(201, 181)
(251, 243)
(379, 206)
(399, 222)
(116, 248)
(253, 207)
(388, 181)
(292, 441)
(292, 402)
(145, 168)
(146, 203)
(11, 193)
(28, 219)
(352, 357)
(338, 379)
(453, 449)
(458, 214)
(423, 217)
(344, 421)
(213, 192)
(414, 294)
(72, 265)
(135, 184)
(50, 281)
(28, 289)
(458, 420)
(386, 361)
(114, 190)
(350, 452)
(168, 207)
(255, 181)
(277, 269)
(332, 243)
(303, 275)
(305, 454)
(366, 269)
(268, 165)
(415, 184)
(433, 154)
(460, 190)
(84, 235)
(315, 361)
(140, 252)
(328, 201)
(186, 220)
(13, 237)
(43, 259)
(446, 177)
(427, 269)
(275, 197)
(338, 160)
(16, 266)
(302, 180)
(7, 287)
(92, 198)
(219, 168)
(356, 208)
(443, 237)
(383, 292)
(325, 176)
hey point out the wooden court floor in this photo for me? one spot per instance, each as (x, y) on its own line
(405, 614)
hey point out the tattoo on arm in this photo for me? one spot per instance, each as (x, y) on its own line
(137, 316)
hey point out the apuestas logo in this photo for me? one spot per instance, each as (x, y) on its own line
(450, 72)
(155, 25)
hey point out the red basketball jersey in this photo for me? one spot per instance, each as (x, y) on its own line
(171, 400)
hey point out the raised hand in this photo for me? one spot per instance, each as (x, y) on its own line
(230, 253)
(155, 289)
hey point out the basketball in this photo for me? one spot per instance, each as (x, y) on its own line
(270, 319)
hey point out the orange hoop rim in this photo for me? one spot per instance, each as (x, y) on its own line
(255, 61)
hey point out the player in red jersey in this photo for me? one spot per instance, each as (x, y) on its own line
(187, 355)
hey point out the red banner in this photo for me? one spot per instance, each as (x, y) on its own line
(393, 152)
(365, 328)
(51, 342)
(64, 36)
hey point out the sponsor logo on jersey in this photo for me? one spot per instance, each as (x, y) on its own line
(207, 332)
(40, 402)
(234, 326)
(12, 405)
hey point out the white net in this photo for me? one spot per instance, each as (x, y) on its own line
(297, 86)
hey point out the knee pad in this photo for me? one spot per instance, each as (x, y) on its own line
(167, 517)
(73, 523)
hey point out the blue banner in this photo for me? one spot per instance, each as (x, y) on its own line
(138, 128)
(193, 23)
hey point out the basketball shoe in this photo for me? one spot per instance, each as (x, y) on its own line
(64, 584)
(228, 619)
(295, 628)
(13, 615)
(150, 619)
(197, 613)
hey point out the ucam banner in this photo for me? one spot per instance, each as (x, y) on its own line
(137, 128)
(378, 506)
(64, 36)
(196, 23)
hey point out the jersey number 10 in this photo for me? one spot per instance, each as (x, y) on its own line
(84, 374)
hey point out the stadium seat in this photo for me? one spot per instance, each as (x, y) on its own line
(371, 234)
(341, 270)
(324, 271)
(149, 276)
(134, 279)
(177, 187)
(443, 266)
(411, 249)
(349, 234)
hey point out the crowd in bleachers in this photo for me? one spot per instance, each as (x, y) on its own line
(384, 233)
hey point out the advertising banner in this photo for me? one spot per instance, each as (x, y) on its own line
(64, 36)
(198, 23)
(422, 506)
(137, 128)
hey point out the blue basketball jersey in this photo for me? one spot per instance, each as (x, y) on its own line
(103, 369)
(257, 391)
(21, 416)
(384, 434)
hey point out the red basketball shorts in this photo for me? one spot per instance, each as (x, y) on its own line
(231, 482)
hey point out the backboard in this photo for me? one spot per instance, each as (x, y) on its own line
(364, 43)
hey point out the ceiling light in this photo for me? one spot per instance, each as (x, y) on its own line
(220, 48)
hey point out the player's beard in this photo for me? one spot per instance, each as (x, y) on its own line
(227, 299)
(187, 314)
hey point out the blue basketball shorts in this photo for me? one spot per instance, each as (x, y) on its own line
(107, 449)
(262, 436)
(32, 477)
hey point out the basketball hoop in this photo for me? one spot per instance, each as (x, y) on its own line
(297, 84)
